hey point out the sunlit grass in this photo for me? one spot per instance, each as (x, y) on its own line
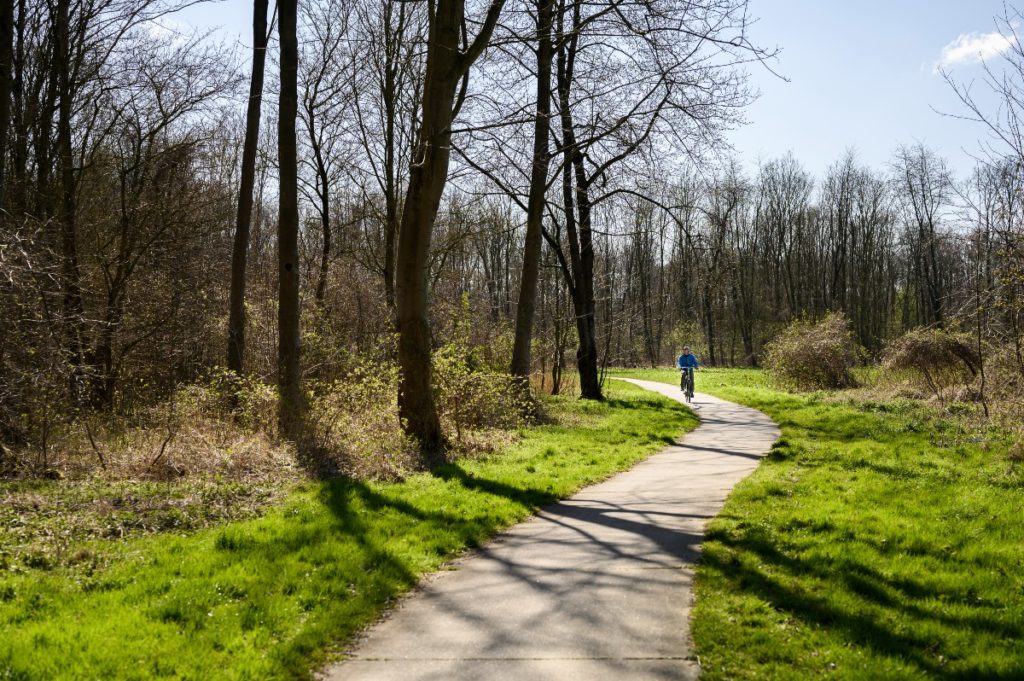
(269, 597)
(877, 541)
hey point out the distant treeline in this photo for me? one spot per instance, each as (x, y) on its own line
(725, 261)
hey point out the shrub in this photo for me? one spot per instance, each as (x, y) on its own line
(353, 427)
(190, 434)
(473, 397)
(812, 356)
(941, 358)
(473, 394)
(223, 394)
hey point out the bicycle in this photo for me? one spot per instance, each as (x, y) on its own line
(686, 382)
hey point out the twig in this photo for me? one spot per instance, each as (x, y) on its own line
(171, 432)
(163, 447)
(92, 441)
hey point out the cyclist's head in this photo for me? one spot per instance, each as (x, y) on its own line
(686, 349)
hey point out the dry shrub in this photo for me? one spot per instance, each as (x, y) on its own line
(223, 394)
(814, 356)
(192, 434)
(940, 358)
(353, 426)
(1004, 376)
(225, 426)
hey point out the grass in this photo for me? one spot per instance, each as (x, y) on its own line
(270, 597)
(43, 520)
(878, 540)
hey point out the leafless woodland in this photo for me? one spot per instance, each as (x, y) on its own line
(545, 183)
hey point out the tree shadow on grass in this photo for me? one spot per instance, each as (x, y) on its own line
(888, 603)
(350, 502)
(530, 498)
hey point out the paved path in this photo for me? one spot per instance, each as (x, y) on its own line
(594, 588)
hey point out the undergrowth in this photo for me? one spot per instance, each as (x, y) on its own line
(269, 597)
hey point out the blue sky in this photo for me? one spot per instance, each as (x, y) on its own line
(861, 74)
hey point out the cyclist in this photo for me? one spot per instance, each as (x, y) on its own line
(686, 362)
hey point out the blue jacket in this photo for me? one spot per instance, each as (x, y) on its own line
(684, 361)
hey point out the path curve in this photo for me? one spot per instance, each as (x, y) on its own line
(594, 588)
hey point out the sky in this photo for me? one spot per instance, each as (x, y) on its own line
(861, 74)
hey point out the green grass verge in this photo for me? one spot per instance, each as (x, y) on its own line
(877, 541)
(268, 597)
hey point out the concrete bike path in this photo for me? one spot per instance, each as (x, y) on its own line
(594, 588)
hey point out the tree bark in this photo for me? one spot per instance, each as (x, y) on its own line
(446, 65)
(288, 367)
(324, 181)
(20, 126)
(240, 250)
(6, 61)
(535, 202)
(73, 307)
(390, 101)
(578, 220)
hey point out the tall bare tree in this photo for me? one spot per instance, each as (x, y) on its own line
(386, 92)
(6, 81)
(289, 341)
(325, 73)
(538, 192)
(924, 186)
(449, 57)
(73, 308)
(243, 218)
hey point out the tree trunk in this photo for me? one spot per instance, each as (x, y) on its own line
(18, 120)
(577, 221)
(391, 218)
(6, 61)
(240, 250)
(325, 228)
(391, 227)
(535, 203)
(288, 367)
(446, 65)
(73, 307)
(427, 178)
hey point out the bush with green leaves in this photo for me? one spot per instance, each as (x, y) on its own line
(245, 399)
(814, 355)
(471, 396)
(353, 427)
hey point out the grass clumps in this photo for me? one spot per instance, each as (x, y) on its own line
(193, 433)
(44, 521)
(814, 355)
(266, 597)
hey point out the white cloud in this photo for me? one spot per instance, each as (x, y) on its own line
(167, 30)
(969, 48)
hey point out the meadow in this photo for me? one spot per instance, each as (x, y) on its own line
(880, 539)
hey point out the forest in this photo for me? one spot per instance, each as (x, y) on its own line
(292, 330)
(302, 237)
